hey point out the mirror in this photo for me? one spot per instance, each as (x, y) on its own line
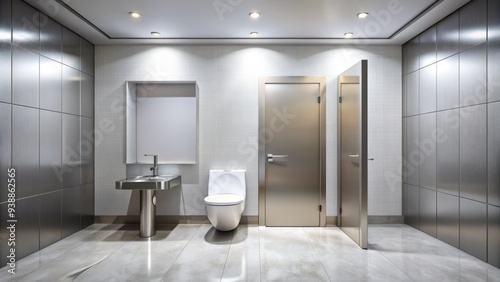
(162, 119)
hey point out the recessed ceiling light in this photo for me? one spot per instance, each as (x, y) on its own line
(254, 33)
(254, 15)
(348, 35)
(135, 14)
(155, 34)
(362, 15)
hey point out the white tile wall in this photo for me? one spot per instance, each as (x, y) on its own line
(227, 76)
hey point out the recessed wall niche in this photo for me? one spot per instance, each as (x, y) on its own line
(162, 119)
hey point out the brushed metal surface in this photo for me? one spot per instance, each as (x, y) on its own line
(448, 219)
(27, 226)
(494, 153)
(448, 152)
(473, 228)
(413, 55)
(352, 153)
(263, 81)
(50, 218)
(292, 184)
(51, 39)
(50, 151)
(71, 211)
(427, 136)
(70, 48)
(473, 156)
(70, 150)
(447, 36)
(6, 22)
(447, 84)
(5, 72)
(25, 77)
(87, 95)
(427, 211)
(25, 150)
(350, 140)
(412, 93)
(5, 148)
(473, 24)
(25, 26)
(4, 233)
(50, 84)
(473, 76)
(404, 152)
(405, 94)
(428, 47)
(493, 51)
(87, 150)
(87, 196)
(494, 235)
(149, 182)
(70, 90)
(494, 68)
(412, 206)
(87, 59)
(147, 224)
(414, 156)
(427, 89)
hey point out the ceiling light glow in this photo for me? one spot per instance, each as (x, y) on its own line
(254, 15)
(254, 33)
(135, 14)
(155, 34)
(348, 35)
(362, 15)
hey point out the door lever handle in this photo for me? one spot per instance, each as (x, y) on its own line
(270, 157)
(353, 156)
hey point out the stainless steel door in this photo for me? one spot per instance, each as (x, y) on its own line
(352, 153)
(292, 194)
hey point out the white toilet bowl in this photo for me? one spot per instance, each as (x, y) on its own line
(226, 198)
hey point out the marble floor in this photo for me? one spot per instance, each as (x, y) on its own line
(196, 252)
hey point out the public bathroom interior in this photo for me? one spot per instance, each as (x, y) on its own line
(234, 140)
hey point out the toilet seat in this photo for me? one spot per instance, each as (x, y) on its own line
(224, 200)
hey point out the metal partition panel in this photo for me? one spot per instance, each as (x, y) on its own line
(352, 152)
(288, 126)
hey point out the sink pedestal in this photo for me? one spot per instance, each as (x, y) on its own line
(148, 213)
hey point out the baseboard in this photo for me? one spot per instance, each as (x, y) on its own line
(167, 219)
(331, 220)
(252, 219)
(385, 219)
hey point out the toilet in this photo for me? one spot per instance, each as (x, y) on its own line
(226, 198)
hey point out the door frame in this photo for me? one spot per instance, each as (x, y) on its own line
(321, 80)
(352, 75)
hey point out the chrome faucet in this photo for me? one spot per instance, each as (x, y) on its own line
(154, 169)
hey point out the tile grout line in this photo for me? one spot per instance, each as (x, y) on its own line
(316, 254)
(408, 275)
(227, 255)
(177, 257)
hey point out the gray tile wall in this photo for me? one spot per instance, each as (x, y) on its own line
(41, 63)
(452, 130)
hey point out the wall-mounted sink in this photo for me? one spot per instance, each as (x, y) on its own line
(149, 182)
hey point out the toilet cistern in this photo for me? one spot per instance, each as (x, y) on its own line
(154, 169)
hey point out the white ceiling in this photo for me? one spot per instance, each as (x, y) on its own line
(228, 21)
